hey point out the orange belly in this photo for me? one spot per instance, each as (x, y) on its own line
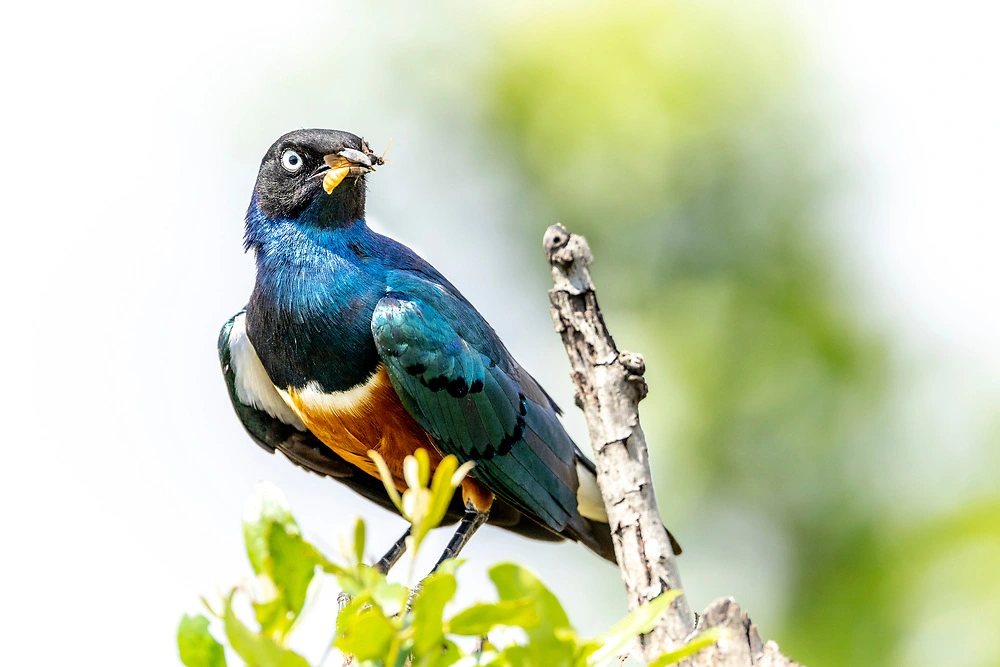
(371, 417)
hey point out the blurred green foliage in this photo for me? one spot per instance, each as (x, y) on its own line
(385, 624)
(679, 139)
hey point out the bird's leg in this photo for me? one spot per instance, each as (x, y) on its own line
(394, 553)
(471, 522)
(383, 565)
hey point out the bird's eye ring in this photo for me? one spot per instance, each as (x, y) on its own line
(291, 161)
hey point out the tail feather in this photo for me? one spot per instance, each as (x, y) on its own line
(591, 525)
(596, 536)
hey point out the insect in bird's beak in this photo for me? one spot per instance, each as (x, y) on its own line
(348, 162)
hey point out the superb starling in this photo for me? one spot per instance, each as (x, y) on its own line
(352, 342)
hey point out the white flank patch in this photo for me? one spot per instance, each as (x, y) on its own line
(588, 496)
(253, 386)
(314, 399)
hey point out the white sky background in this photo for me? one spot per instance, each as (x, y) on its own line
(133, 134)
(920, 106)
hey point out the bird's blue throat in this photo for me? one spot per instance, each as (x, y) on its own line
(317, 285)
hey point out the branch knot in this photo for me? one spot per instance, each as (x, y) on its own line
(563, 250)
(556, 238)
(633, 362)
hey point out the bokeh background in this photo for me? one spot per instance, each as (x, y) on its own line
(793, 209)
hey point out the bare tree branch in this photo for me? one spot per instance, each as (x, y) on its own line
(609, 386)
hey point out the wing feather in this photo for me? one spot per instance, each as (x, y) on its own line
(468, 395)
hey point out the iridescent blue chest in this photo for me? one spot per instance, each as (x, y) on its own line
(309, 316)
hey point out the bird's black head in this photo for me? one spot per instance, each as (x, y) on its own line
(322, 167)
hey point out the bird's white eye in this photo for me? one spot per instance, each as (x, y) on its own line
(291, 161)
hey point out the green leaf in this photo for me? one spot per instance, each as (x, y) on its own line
(514, 583)
(423, 467)
(639, 620)
(427, 611)
(390, 597)
(292, 566)
(359, 580)
(442, 489)
(197, 646)
(553, 642)
(352, 608)
(367, 635)
(416, 504)
(329, 566)
(479, 619)
(387, 480)
(265, 508)
(359, 541)
(255, 649)
(443, 656)
(270, 614)
(706, 638)
(559, 653)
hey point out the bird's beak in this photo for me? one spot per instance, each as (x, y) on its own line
(348, 162)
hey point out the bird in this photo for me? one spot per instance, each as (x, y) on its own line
(351, 342)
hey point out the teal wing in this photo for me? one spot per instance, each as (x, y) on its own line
(461, 385)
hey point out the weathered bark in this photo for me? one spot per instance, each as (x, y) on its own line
(743, 646)
(609, 387)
